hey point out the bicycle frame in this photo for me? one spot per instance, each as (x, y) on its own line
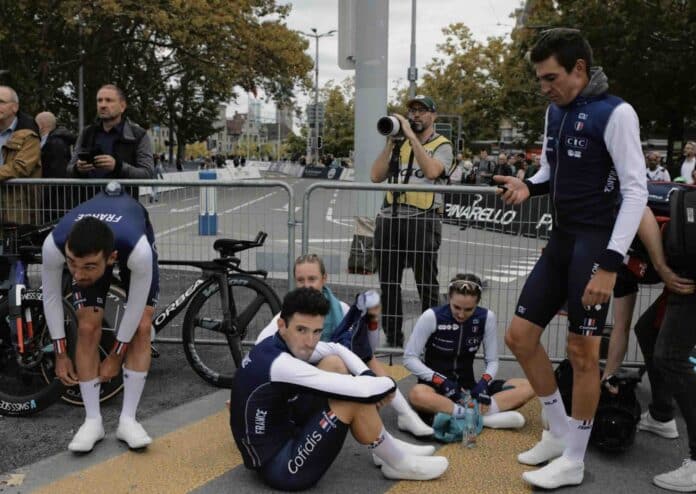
(211, 269)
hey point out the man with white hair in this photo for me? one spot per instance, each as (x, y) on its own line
(19, 157)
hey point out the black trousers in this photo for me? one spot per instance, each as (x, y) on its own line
(406, 242)
(666, 352)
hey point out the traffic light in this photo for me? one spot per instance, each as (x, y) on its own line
(320, 141)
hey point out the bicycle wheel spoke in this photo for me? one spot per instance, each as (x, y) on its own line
(250, 311)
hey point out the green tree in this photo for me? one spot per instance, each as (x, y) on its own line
(168, 56)
(463, 80)
(647, 50)
(338, 118)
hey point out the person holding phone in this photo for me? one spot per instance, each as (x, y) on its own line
(113, 147)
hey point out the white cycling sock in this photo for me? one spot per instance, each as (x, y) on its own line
(400, 405)
(555, 413)
(133, 384)
(90, 397)
(386, 448)
(577, 438)
(493, 407)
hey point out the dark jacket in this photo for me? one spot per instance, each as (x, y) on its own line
(55, 156)
(56, 153)
(132, 152)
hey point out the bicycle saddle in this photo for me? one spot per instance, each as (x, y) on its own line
(228, 246)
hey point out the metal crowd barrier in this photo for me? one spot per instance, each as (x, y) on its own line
(479, 235)
(243, 208)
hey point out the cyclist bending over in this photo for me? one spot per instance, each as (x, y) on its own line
(111, 228)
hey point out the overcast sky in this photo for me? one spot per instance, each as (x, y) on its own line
(484, 18)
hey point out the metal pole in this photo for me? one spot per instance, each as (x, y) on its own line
(413, 71)
(81, 98)
(315, 142)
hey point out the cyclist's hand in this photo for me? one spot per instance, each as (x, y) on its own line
(598, 290)
(65, 371)
(110, 367)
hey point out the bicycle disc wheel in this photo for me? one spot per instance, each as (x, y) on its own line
(206, 345)
(113, 312)
(24, 389)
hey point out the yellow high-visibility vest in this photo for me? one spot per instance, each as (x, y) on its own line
(421, 200)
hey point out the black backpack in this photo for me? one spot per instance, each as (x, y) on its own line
(617, 416)
(680, 244)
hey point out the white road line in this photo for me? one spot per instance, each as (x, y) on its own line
(183, 210)
(484, 244)
(501, 279)
(191, 223)
(329, 214)
(509, 271)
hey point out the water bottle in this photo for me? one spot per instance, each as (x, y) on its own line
(469, 436)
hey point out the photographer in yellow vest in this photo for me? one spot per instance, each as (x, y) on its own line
(409, 226)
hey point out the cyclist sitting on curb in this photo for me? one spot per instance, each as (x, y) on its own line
(311, 272)
(450, 335)
(291, 418)
(110, 228)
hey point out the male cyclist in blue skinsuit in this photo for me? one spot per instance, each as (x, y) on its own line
(591, 152)
(110, 228)
(290, 418)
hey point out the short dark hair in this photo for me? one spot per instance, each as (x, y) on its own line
(466, 284)
(90, 236)
(114, 87)
(567, 45)
(304, 301)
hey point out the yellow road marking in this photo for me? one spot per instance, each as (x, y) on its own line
(177, 462)
(491, 467)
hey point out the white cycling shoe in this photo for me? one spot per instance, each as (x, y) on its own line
(561, 471)
(132, 433)
(548, 448)
(504, 420)
(408, 449)
(416, 468)
(89, 434)
(412, 423)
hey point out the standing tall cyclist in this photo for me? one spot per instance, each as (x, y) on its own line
(591, 152)
(110, 228)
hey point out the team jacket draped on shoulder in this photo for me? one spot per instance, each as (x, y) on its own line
(134, 239)
(271, 380)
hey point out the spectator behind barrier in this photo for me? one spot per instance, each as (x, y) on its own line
(687, 169)
(655, 171)
(56, 143)
(20, 157)
(112, 147)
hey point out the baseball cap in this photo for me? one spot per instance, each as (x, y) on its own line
(423, 100)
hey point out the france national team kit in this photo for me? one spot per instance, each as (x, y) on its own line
(281, 419)
(591, 154)
(136, 256)
(449, 346)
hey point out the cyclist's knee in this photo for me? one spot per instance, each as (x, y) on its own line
(88, 331)
(582, 355)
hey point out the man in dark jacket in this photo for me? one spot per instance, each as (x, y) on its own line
(56, 146)
(113, 147)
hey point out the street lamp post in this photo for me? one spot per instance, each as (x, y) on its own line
(315, 139)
